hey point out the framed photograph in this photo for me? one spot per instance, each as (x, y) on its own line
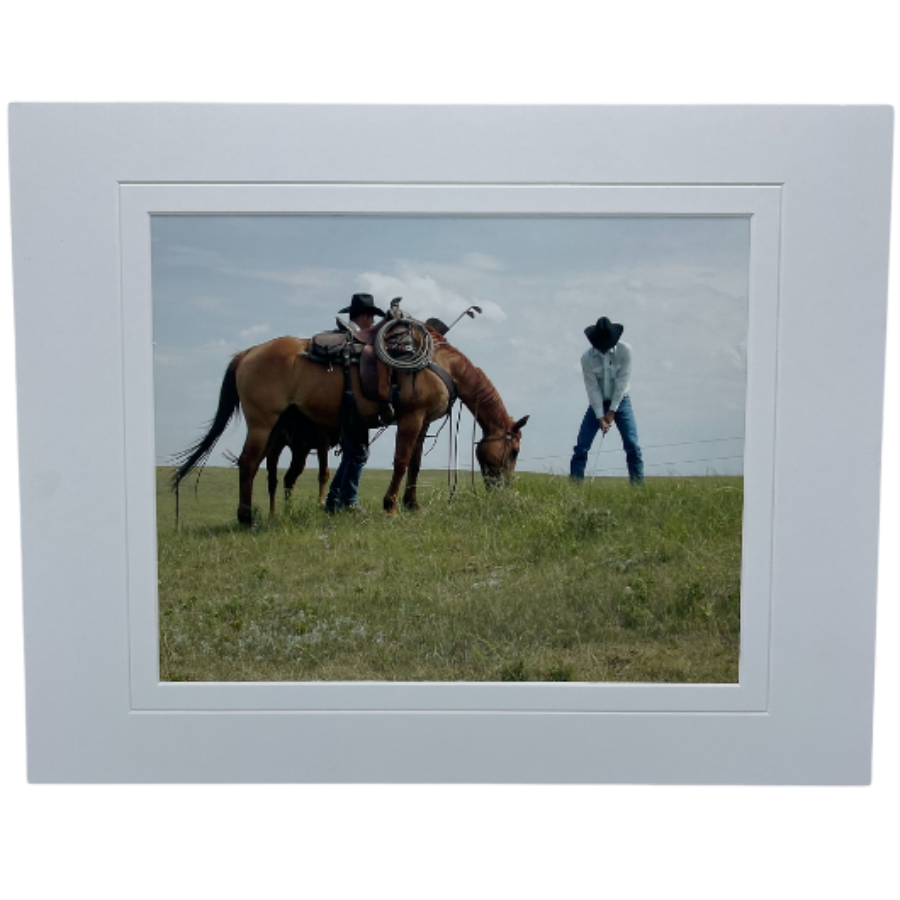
(567, 574)
(589, 402)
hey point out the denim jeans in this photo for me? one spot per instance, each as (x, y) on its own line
(627, 428)
(344, 490)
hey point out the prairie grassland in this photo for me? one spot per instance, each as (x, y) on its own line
(543, 581)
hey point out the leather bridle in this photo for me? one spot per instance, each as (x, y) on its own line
(508, 437)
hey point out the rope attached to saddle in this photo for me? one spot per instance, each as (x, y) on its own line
(404, 344)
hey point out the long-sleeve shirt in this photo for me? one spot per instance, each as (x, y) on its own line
(607, 376)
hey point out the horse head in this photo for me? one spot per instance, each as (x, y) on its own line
(497, 453)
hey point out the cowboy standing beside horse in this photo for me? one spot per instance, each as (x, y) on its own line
(344, 491)
(606, 367)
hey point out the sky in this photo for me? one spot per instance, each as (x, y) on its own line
(678, 285)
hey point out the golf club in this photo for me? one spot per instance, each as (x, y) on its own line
(597, 457)
(470, 312)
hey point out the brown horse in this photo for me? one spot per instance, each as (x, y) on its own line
(268, 378)
(296, 431)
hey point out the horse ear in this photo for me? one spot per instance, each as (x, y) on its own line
(520, 424)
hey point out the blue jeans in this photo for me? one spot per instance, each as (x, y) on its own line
(627, 428)
(344, 490)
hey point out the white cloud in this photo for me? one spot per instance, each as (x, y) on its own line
(533, 347)
(303, 277)
(424, 296)
(254, 331)
(210, 302)
(483, 261)
(307, 277)
(624, 282)
(212, 354)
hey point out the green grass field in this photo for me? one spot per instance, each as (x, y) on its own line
(543, 581)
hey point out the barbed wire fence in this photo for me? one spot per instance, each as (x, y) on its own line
(621, 467)
(609, 451)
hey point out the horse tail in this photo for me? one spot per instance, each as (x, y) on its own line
(229, 406)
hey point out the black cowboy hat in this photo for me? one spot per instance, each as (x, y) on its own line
(362, 303)
(604, 335)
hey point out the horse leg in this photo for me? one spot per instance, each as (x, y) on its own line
(277, 443)
(272, 467)
(408, 429)
(324, 474)
(248, 465)
(412, 476)
(298, 464)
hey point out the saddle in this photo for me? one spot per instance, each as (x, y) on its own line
(377, 370)
(328, 347)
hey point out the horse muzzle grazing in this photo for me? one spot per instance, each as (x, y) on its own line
(497, 454)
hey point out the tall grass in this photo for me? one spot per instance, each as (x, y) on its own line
(543, 581)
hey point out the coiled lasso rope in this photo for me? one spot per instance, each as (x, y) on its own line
(413, 359)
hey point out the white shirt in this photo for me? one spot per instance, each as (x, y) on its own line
(607, 376)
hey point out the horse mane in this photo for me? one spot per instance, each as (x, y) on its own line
(476, 390)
